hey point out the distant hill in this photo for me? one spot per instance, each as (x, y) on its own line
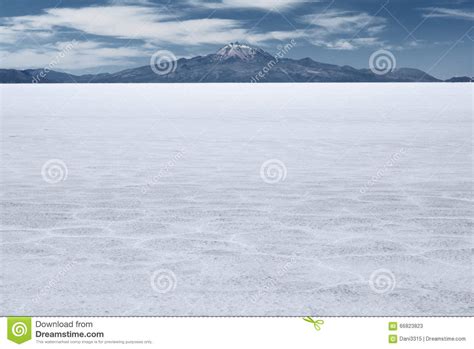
(234, 62)
(460, 79)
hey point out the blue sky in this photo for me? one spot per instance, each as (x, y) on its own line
(109, 35)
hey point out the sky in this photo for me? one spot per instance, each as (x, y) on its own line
(85, 36)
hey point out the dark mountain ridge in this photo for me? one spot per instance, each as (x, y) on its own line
(234, 62)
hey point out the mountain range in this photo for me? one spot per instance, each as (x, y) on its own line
(234, 62)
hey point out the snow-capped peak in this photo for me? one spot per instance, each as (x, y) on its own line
(237, 50)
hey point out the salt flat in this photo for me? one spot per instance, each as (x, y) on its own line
(236, 199)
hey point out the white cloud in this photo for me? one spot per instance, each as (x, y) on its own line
(160, 27)
(345, 22)
(155, 27)
(439, 12)
(344, 30)
(348, 44)
(131, 22)
(14, 35)
(135, 22)
(152, 28)
(131, 2)
(257, 38)
(70, 55)
(250, 4)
